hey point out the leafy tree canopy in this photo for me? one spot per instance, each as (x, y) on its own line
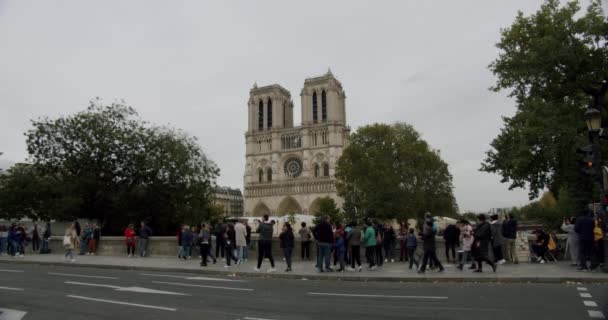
(554, 63)
(106, 163)
(328, 207)
(389, 172)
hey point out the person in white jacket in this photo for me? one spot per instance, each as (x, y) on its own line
(572, 242)
(241, 242)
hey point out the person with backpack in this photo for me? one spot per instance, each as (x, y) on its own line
(584, 228)
(230, 241)
(451, 236)
(428, 237)
(326, 241)
(287, 244)
(340, 249)
(241, 240)
(86, 236)
(483, 236)
(353, 239)
(265, 231)
(46, 238)
(220, 241)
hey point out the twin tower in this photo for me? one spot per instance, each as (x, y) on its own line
(290, 168)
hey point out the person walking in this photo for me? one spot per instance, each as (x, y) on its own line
(369, 240)
(287, 244)
(94, 241)
(265, 230)
(205, 242)
(379, 231)
(241, 240)
(451, 236)
(21, 240)
(185, 242)
(3, 240)
(466, 242)
(85, 237)
(220, 241)
(584, 228)
(144, 238)
(411, 244)
(326, 241)
(46, 239)
(70, 242)
(428, 237)
(230, 240)
(340, 248)
(247, 240)
(130, 240)
(36, 238)
(401, 236)
(306, 237)
(353, 239)
(389, 243)
(483, 236)
(509, 232)
(497, 239)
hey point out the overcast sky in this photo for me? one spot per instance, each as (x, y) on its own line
(191, 64)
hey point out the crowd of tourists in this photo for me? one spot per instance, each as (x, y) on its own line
(585, 244)
(16, 237)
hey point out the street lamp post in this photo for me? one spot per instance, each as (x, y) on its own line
(593, 118)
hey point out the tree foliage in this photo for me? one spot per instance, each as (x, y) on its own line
(554, 63)
(328, 207)
(116, 168)
(389, 172)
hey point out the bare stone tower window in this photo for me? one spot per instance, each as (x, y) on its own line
(269, 114)
(269, 175)
(261, 116)
(323, 106)
(326, 170)
(316, 170)
(314, 107)
(260, 175)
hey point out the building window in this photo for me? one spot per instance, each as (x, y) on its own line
(269, 174)
(291, 141)
(314, 107)
(326, 170)
(284, 115)
(269, 114)
(261, 116)
(316, 170)
(323, 106)
(324, 137)
(260, 175)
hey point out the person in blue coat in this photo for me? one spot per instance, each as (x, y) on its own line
(340, 248)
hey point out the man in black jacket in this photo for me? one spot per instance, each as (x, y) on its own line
(451, 235)
(265, 231)
(483, 235)
(325, 238)
(509, 232)
(584, 228)
(428, 238)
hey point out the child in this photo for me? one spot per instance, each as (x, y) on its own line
(411, 243)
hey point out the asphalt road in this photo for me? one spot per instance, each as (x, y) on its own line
(44, 292)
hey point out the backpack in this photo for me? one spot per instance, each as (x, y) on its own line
(67, 240)
(597, 232)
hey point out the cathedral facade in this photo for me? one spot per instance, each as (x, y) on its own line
(290, 168)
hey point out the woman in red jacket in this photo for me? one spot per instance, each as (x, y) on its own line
(130, 240)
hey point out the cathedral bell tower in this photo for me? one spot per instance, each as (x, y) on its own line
(270, 107)
(323, 100)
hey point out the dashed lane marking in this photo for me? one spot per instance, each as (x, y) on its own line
(585, 295)
(590, 303)
(127, 289)
(596, 314)
(122, 303)
(190, 278)
(201, 286)
(8, 270)
(581, 289)
(11, 288)
(80, 275)
(375, 296)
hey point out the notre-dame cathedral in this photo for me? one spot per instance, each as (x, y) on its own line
(289, 168)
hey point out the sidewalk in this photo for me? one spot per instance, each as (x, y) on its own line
(557, 272)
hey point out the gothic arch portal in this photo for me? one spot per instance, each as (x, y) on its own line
(261, 209)
(314, 206)
(289, 205)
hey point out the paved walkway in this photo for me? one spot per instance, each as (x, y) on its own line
(524, 272)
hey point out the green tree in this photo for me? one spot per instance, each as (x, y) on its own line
(122, 169)
(328, 207)
(554, 63)
(389, 172)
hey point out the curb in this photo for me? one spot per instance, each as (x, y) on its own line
(423, 279)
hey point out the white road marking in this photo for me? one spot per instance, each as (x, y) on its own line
(201, 286)
(590, 303)
(9, 314)
(128, 289)
(250, 318)
(581, 289)
(8, 270)
(190, 278)
(122, 303)
(11, 288)
(374, 296)
(80, 275)
(596, 314)
(585, 295)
